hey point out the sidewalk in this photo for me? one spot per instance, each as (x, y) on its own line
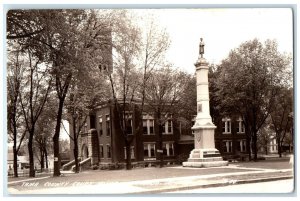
(170, 179)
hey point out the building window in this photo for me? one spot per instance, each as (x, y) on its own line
(108, 151)
(131, 152)
(107, 125)
(100, 126)
(145, 127)
(227, 146)
(226, 126)
(148, 126)
(168, 149)
(168, 127)
(101, 151)
(273, 144)
(241, 126)
(149, 150)
(164, 128)
(151, 126)
(129, 126)
(242, 146)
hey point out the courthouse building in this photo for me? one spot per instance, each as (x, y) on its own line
(103, 142)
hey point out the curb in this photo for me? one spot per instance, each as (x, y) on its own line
(236, 182)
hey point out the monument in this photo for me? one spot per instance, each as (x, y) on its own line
(204, 153)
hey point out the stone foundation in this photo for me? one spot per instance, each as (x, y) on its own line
(205, 164)
(205, 158)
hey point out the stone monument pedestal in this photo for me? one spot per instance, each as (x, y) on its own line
(204, 154)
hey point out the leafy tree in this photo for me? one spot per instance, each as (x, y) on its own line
(163, 91)
(214, 102)
(69, 40)
(66, 60)
(34, 95)
(51, 37)
(281, 116)
(248, 84)
(155, 42)
(186, 107)
(86, 92)
(15, 120)
(264, 136)
(137, 55)
(289, 138)
(23, 25)
(44, 131)
(126, 42)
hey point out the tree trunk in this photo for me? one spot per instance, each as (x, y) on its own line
(61, 93)
(75, 151)
(15, 160)
(279, 148)
(30, 152)
(254, 147)
(46, 157)
(160, 143)
(254, 135)
(248, 147)
(128, 155)
(159, 138)
(15, 152)
(42, 159)
(280, 151)
(56, 170)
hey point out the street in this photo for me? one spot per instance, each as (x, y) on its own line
(281, 186)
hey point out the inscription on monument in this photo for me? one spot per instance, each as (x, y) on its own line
(199, 107)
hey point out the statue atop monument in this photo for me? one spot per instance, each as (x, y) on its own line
(201, 47)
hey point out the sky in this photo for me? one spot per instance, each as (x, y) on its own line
(222, 30)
